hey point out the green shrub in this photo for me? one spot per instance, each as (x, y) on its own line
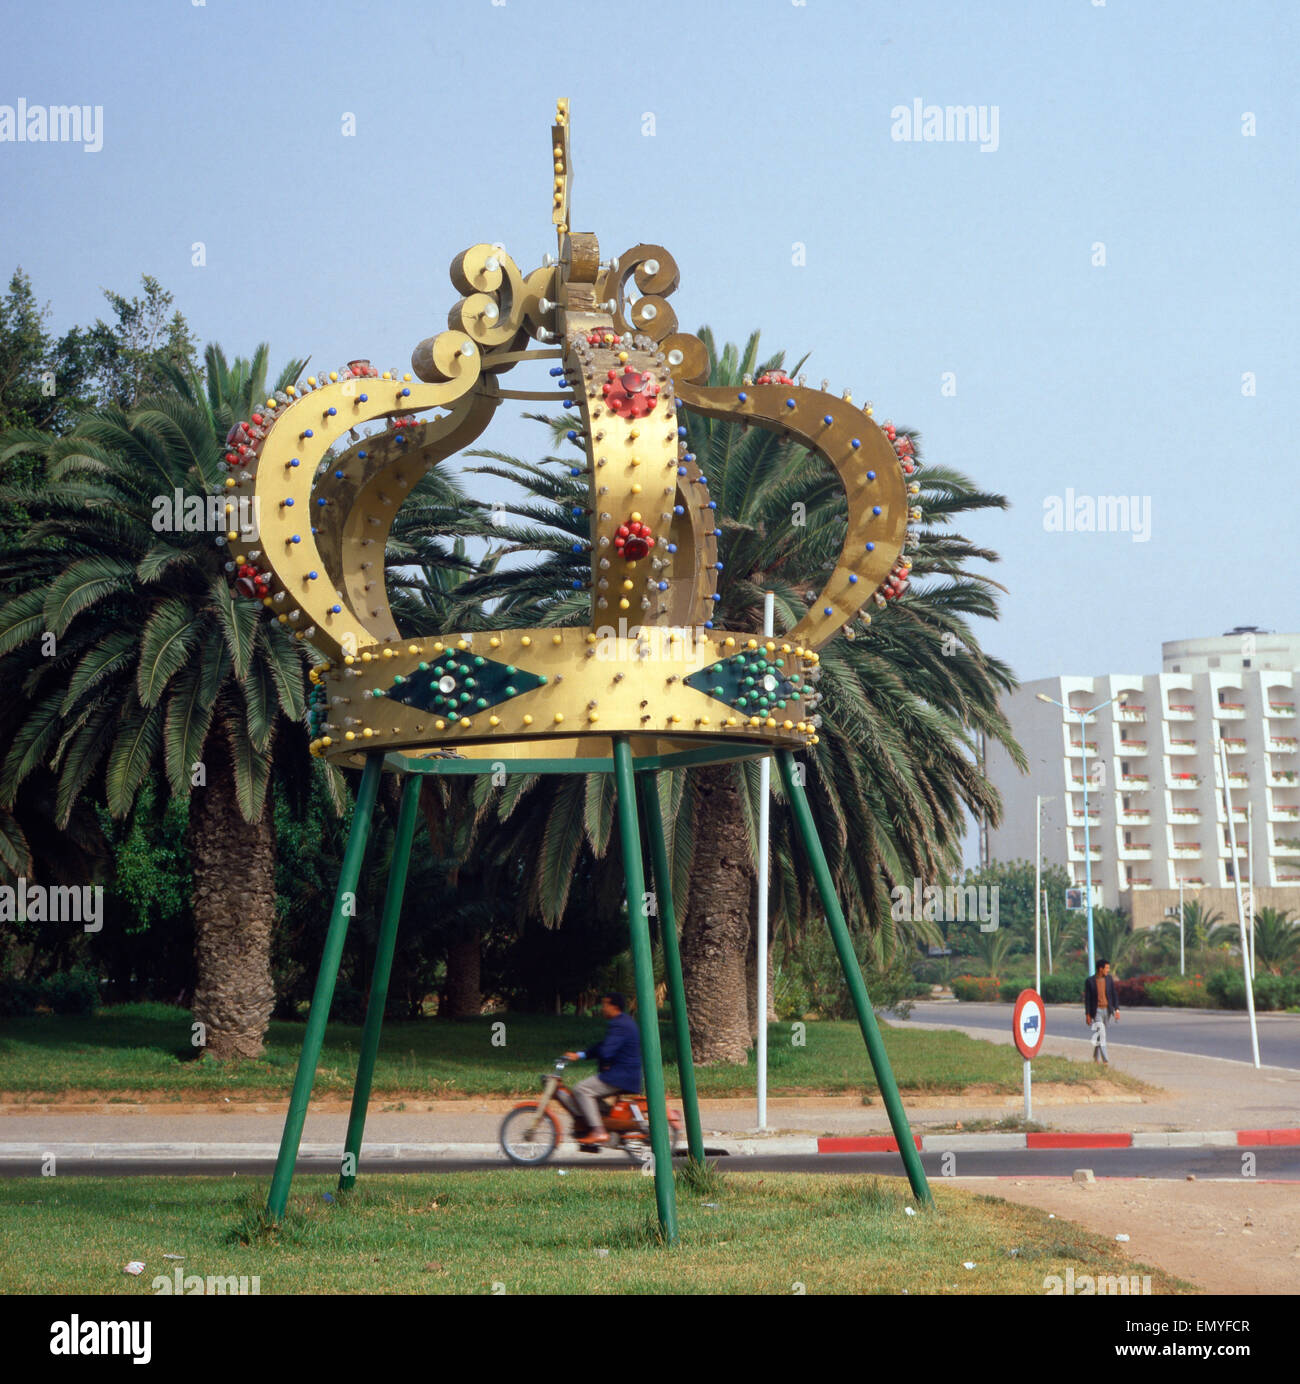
(18, 998)
(975, 988)
(1271, 992)
(71, 992)
(1064, 987)
(1179, 992)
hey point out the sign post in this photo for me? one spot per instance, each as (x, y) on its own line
(1029, 1028)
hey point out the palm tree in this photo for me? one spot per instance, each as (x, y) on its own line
(131, 653)
(1277, 939)
(895, 763)
(1112, 936)
(993, 948)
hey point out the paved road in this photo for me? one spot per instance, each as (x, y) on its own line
(1270, 1163)
(1203, 1033)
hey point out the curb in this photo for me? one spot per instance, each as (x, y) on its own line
(1174, 1139)
(801, 1145)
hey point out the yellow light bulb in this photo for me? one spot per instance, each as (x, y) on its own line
(559, 716)
(528, 720)
(351, 735)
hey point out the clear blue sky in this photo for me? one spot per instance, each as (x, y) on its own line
(1119, 123)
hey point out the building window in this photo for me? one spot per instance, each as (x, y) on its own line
(1177, 668)
(1245, 663)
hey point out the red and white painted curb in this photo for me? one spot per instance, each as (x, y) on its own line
(1174, 1139)
(110, 1151)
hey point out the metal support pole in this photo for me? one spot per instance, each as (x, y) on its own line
(1236, 884)
(764, 870)
(1029, 1097)
(651, 1057)
(1038, 895)
(384, 948)
(839, 930)
(1087, 841)
(1182, 957)
(1047, 928)
(323, 995)
(649, 785)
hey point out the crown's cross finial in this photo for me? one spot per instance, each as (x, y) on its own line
(560, 166)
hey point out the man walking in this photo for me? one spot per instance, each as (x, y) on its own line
(1100, 1005)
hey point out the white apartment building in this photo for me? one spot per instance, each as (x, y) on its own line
(1154, 798)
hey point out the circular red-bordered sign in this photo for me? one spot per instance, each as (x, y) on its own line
(1029, 1023)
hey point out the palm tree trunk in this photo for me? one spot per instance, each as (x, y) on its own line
(234, 912)
(715, 934)
(464, 997)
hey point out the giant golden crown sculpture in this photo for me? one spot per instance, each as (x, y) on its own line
(653, 666)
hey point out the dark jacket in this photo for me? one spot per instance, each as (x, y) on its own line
(618, 1053)
(1090, 997)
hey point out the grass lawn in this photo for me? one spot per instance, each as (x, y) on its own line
(137, 1050)
(533, 1231)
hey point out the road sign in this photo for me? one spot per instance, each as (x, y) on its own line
(1029, 1023)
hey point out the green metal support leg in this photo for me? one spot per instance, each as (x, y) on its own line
(649, 785)
(384, 948)
(807, 830)
(323, 995)
(651, 1056)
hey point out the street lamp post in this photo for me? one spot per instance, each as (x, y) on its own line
(1087, 838)
(1039, 800)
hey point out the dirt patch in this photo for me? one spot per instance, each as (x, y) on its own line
(127, 1103)
(1226, 1237)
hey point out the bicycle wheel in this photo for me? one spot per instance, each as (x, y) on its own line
(526, 1139)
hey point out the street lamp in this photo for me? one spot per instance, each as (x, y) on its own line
(1039, 800)
(1087, 837)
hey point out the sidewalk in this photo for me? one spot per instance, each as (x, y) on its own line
(1200, 1102)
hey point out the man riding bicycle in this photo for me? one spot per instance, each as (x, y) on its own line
(619, 1056)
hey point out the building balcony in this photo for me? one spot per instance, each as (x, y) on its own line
(1280, 778)
(1135, 783)
(1078, 819)
(1136, 850)
(1285, 845)
(1133, 747)
(1287, 812)
(1130, 713)
(1177, 781)
(1194, 880)
(1135, 816)
(1287, 877)
(1081, 747)
(1234, 744)
(1180, 746)
(1135, 883)
(1231, 711)
(1238, 813)
(1076, 854)
(1180, 711)
(1186, 850)
(1186, 816)
(1282, 744)
(1283, 710)
(1076, 715)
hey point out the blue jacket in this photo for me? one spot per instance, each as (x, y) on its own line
(619, 1054)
